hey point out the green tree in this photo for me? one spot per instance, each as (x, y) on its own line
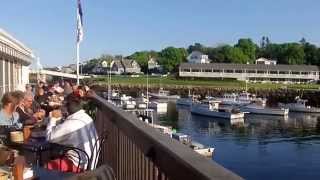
(143, 57)
(248, 48)
(236, 55)
(293, 53)
(312, 54)
(196, 47)
(171, 57)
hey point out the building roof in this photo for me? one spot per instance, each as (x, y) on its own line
(118, 63)
(10, 41)
(280, 67)
(128, 63)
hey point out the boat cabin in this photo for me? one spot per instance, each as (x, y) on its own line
(185, 139)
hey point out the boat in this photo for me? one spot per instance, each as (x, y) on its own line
(142, 102)
(201, 149)
(115, 95)
(196, 146)
(184, 101)
(259, 107)
(162, 94)
(160, 107)
(128, 103)
(243, 98)
(187, 101)
(212, 109)
(300, 106)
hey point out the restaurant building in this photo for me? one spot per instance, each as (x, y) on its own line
(14, 61)
(258, 72)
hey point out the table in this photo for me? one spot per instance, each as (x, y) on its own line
(36, 146)
(42, 173)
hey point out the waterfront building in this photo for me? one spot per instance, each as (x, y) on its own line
(197, 57)
(260, 72)
(266, 61)
(117, 67)
(15, 59)
(154, 66)
(131, 66)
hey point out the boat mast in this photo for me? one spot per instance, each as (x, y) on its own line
(109, 82)
(148, 86)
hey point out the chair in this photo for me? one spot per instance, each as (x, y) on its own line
(99, 142)
(62, 151)
(67, 152)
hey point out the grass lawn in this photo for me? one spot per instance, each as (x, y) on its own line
(168, 81)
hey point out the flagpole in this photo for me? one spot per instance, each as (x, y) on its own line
(78, 61)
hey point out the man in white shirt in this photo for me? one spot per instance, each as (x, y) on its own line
(77, 130)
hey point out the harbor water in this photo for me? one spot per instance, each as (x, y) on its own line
(258, 147)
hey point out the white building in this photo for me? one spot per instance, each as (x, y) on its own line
(266, 61)
(198, 57)
(252, 72)
(15, 59)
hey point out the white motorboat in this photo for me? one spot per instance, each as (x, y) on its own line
(300, 106)
(128, 104)
(197, 147)
(211, 108)
(142, 102)
(259, 107)
(201, 149)
(162, 94)
(160, 107)
(243, 98)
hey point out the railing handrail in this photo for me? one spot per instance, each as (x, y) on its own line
(172, 157)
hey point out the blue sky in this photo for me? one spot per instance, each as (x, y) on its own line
(126, 26)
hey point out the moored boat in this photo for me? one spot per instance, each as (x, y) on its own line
(259, 107)
(160, 107)
(184, 101)
(162, 94)
(196, 146)
(211, 108)
(300, 106)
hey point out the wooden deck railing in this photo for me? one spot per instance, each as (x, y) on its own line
(136, 151)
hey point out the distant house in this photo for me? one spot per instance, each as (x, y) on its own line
(197, 57)
(100, 68)
(117, 67)
(131, 66)
(266, 61)
(154, 66)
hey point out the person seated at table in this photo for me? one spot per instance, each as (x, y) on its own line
(41, 98)
(8, 115)
(29, 111)
(77, 130)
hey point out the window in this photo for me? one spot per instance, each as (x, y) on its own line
(295, 72)
(195, 70)
(238, 71)
(186, 70)
(261, 72)
(208, 70)
(273, 72)
(251, 71)
(305, 73)
(216, 70)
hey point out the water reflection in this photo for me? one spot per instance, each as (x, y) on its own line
(258, 147)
